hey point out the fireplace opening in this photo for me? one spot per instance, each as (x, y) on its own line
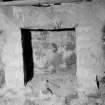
(42, 51)
(27, 55)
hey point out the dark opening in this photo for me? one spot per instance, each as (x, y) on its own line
(7, 0)
(88, 0)
(52, 30)
(28, 51)
(27, 55)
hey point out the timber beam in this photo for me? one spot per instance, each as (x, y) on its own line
(37, 2)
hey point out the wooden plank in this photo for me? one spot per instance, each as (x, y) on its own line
(36, 2)
(55, 30)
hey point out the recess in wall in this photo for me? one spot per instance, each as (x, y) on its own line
(27, 55)
(28, 59)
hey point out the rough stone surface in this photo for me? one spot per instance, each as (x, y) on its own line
(10, 59)
(88, 18)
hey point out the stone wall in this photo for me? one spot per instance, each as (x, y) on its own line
(88, 20)
(11, 53)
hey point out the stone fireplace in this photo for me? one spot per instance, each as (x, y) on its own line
(52, 55)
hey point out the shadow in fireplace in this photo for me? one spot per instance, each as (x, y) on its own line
(27, 55)
(26, 38)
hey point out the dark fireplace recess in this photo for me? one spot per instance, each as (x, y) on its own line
(28, 63)
(27, 55)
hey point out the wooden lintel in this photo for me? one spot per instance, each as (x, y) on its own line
(55, 30)
(36, 2)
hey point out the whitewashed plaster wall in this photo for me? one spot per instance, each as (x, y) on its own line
(11, 53)
(89, 22)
